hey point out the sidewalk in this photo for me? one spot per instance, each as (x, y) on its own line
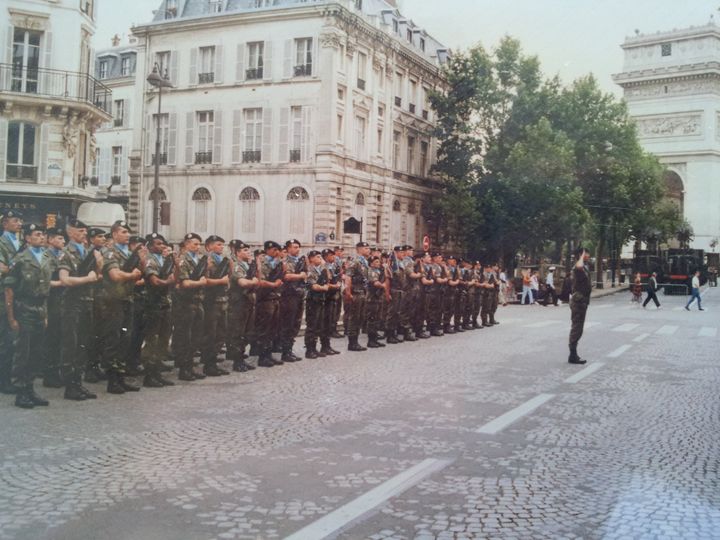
(607, 291)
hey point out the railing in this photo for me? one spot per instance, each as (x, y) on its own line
(203, 158)
(398, 101)
(22, 173)
(163, 159)
(294, 156)
(53, 83)
(206, 78)
(115, 180)
(254, 73)
(118, 122)
(303, 70)
(251, 156)
(361, 84)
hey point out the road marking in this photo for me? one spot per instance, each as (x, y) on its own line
(667, 330)
(580, 375)
(357, 508)
(591, 324)
(604, 306)
(707, 331)
(501, 422)
(629, 327)
(641, 337)
(542, 324)
(617, 352)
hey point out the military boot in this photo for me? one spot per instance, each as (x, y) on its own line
(74, 392)
(449, 329)
(392, 338)
(23, 399)
(354, 345)
(408, 335)
(186, 374)
(211, 370)
(127, 386)
(266, 360)
(311, 351)
(52, 379)
(151, 380)
(373, 343)
(88, 393)
(37, 400)
(574, 358)
(288, 356)
(326, 348)
(239, 366)
(113, 383)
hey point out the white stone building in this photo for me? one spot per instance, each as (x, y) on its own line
(671, 81)
(49, 107)
(286, 118)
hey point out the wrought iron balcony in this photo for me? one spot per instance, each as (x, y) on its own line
(55, 84)
(206, 78)
(254, 73)
(203, 158)
(252, 156)
(303, 70)
(163, 159)
(118, 122)
(294, 156)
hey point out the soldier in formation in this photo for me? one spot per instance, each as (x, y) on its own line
(85, 306)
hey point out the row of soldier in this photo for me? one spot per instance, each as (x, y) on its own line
(80, 303)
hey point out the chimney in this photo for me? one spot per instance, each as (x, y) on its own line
(115, 40)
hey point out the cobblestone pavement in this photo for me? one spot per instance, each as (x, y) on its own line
(627, 447)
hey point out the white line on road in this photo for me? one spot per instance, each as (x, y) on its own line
(542, 324)
(629, 327)
(678, 308)
(619, 351)
(641, 337)
(357, 508)
(580, 375)
(707, 331)
(604, 306)
(667, 330)
(591, 324)
(501, 422)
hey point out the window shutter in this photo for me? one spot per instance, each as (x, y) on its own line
(174, 67)
(288, 65)
(218, 63)
(128, 113)
(172, 139)
(284, 146)
(124, 159)
(307, 146)
(189, 121)
(193, 67)
(105, 162)
(267, 60)
(3, 147)
(46, 79)
(150, 131)
(267, 135)
(43, 165)
(236, 155)
(240, 63)
(315, 57)
(217, 137)
(7, 58)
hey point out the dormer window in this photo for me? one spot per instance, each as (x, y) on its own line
(215, 6)
(103, 70)
(396, 26)
(358, 5)
(125, 67)
(666, 49)
(409, 35)
(422, 44)
(170, 9)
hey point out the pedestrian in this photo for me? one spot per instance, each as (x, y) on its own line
(526, 288)
(534, 286)
(550, 288)
(695, 294)
(579, 302)
(651, 289)
(503, 295)
(636, 289)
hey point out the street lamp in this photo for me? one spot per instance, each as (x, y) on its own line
(158, 81)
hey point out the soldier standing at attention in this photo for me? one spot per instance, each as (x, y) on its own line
(355, 295)
(375, 295)
(435, 296)
(53, 332)
(333, 294)
(579, 301)
(426, 283)
(412, 293)
(215, 305)
(27, 286)
(10, 244)
(270, 274)
(470, 282)
(241, 308)
(317, 284)
(461, 296)
(340, 264)
(134, 368)
(292, 299)
(187, 334)
(495, 293)
(115, 308)
(159, 279)
(477, 294)
(78, 271)
(397, 295)
(93, 372)
(488, 290)
(450, 294)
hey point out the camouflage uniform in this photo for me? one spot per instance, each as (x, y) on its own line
(292, 302)
(8, 251)
(54, 330)
(396, 316)
(215, 307)
(375, 299)
(462, 299)
(434, 296)
(267, 308)
(450, 299)
(158, 323)
(189, 315)
(579, 302)
(315, 306)
(357, 271)
(241, 311)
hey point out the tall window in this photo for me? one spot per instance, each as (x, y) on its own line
(163, 61)
(119, 110)
(408, 35)
(206, 71)
(359, 211)
(170, 9)
(379, 140)
(103, 70)
(253, 136)
(340, 127)
(21, 152)
(396, 223)
(249, 200)
(215, 6)
(396, 150)
(296, 125)
(256, 51)
(361, 70)
(125, 67)
(413, 96)
(25, 60)
(422, 44)
(360, 134)
(411, 155)
(412, 224)
(201, 209)
(423, 158)
(116, 164)
(398, 89)
(298, 211)
(396, 26)
(164, 121)
(206, 125)
(303, 57)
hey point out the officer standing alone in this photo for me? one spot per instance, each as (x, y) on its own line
(579, 301)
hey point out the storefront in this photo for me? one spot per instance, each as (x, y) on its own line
(38, 209)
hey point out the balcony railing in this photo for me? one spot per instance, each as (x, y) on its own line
(251, 156)
(115, 180)
(398, 101)
(163, 159)
(295, 156)
(22, 173)
(361, 84)
(206, 78)
(203, 158)
(303, 70)
(53, 83)
(118, 122)
(254, 73)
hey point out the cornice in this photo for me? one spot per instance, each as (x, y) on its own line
(685, 72)
(708, 30)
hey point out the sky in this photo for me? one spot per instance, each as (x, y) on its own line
(570, 37)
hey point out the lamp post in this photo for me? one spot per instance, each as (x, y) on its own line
(158, 81)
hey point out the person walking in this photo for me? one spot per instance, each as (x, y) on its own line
(550, 288)
(526, 289)
(695, 294)
(534, 286)
(651, 289)
(579, 302)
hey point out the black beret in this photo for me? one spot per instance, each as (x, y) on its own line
(193, 236)
(313, 253)
(55, 231)
(155, 236)
(339, 248)
(435, 254)
(373, 259)
(326, 252)
(96, 232)
(238, 244)
(214, 238)
(451, 258)
(257, 252)
(137, 240)
(291, 242)
(120, 224)
(12, 214)
(407, 248)
(362, 244)
(398, 248)
(269, 244)
(30, 228)
(76, 223)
